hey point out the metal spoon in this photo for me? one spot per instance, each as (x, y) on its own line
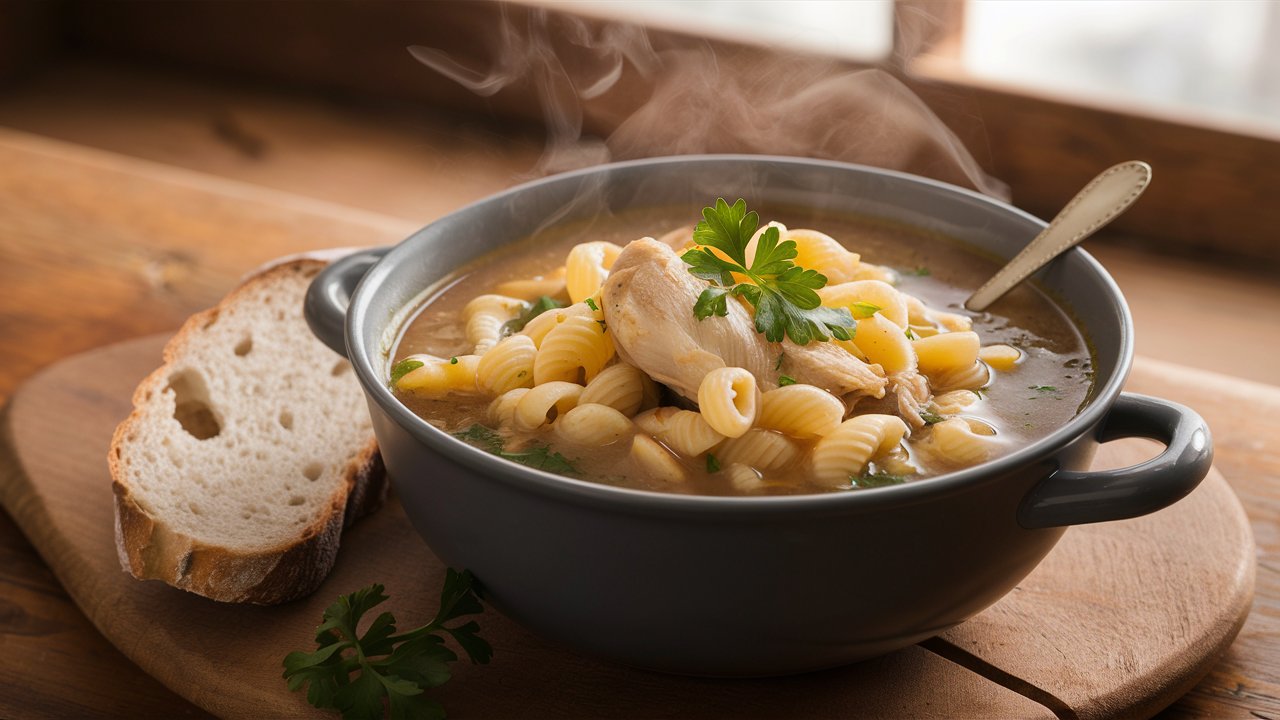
(1097, 204)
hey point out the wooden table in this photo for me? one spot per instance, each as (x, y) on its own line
(95, 247)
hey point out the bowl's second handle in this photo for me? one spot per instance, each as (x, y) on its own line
(330, 293)
(1075, 498)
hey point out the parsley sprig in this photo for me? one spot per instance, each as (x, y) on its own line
(535, 456)
(392, 668)
(782, 293)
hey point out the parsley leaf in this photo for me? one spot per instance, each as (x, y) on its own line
(591, 304)
(482, 437)
(930, 418)
(539, 457)
(391, 666)
(713, 465)
(783, 294)
(536, 308)
(785, 380)
(402, 368)
(862, 309)
(877, 479)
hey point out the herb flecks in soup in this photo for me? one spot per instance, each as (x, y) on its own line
(734, 359)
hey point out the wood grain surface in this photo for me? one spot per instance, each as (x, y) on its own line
(1120, 619)
(97, 247)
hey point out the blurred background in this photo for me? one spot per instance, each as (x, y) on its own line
(411, 109)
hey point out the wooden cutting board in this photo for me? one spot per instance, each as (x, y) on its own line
(1121, 619)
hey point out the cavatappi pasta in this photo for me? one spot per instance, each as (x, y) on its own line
(955, 388)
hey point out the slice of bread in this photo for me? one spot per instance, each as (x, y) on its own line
(247, 453)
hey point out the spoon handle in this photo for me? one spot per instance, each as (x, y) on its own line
(1097, 204)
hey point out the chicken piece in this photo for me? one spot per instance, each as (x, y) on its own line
(648, 308)
(912, 390)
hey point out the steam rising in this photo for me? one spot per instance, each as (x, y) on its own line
(701, 103)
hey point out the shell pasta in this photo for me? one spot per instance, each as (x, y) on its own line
(620, 359)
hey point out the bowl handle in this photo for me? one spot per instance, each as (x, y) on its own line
(325, 306)
(1075, 498)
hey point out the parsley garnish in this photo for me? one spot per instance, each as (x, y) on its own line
(591, 304)
(539, 457)
(777, 365)
(930, 418)
(404, 367)
(877, 479)
(910, 335)
(392, 668)
(781, 292)
(453, 361)
(536, 308)
(1044, 391)
(862, 310)
(785, 380)
(713, 465)
(978, 392)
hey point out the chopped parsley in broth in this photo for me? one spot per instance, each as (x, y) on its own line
(750, 276)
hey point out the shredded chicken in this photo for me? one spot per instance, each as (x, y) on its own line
(648, 307)
(912, 390)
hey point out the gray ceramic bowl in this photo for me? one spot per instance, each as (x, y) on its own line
(750, 585)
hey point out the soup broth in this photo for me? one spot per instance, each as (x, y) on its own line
(1014, 403)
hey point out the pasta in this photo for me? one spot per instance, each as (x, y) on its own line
(656, 460)
(954, 401)
(593, 425)
(954, 443)
(485, 317)
(946, 352)
(507, 366)
(801, 411)
(728, 398)
(615, 371)
(885, 343)
(744, 479)
(972, 377)
(844, 454)
(622, 387)
(575, 350)
(538, 327)
(543, 403)
(587, 267)
(684, 431)
(549, 285)
(763, 450)
(876, 293)
(502, 411)
(439, 377)
(819, 251)
(1002, 358)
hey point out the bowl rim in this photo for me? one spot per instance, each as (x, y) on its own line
(623, 499)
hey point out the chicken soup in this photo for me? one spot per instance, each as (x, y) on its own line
(803, 352)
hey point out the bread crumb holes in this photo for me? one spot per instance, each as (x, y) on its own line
(312, 471)
(191, 405)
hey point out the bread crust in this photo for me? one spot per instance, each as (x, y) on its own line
(150, 549)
